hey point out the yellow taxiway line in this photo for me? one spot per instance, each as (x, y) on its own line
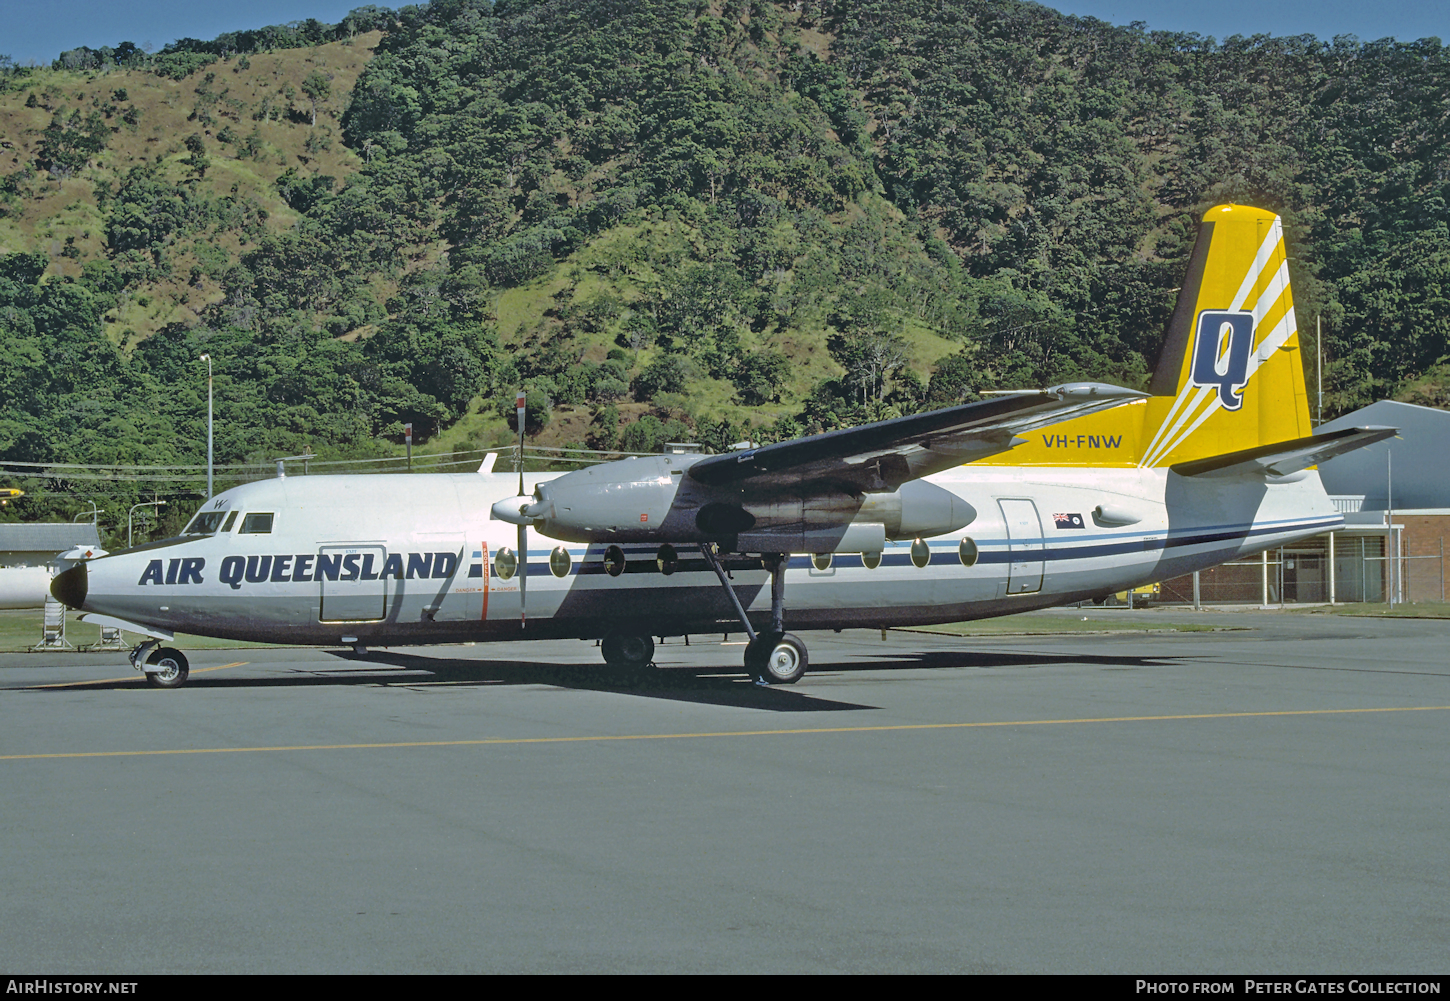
(718, 733)
(138, 676)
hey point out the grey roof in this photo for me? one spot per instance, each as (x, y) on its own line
(1420, 455)
(46, 537)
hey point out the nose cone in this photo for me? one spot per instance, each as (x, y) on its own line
(70, 586)
(508, 509)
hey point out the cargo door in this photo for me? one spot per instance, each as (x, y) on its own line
(1024, 535)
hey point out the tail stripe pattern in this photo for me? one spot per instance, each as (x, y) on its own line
(1261, 261)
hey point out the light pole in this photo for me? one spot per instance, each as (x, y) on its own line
(207, 358)
(158, 504)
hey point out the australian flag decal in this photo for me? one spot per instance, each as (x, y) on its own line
(1068, 520)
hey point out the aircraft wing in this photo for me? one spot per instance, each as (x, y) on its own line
(883, 455)
(1284, 457)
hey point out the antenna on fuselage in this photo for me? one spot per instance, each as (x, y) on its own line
(520, 404)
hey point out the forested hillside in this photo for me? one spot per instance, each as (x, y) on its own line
(670, 217)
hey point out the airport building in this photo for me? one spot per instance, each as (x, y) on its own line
(1395, 498)
(38, 544)
(26, 555)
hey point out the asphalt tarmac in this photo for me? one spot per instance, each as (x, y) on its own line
(1268, 801)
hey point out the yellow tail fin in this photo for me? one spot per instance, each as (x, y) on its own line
(1230, 376)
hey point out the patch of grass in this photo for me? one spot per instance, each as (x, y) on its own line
(1416, 610)
(925, 347)
(1057, 623)
(20, 630)
(520, 307)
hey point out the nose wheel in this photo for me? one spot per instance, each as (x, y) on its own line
(167, 668)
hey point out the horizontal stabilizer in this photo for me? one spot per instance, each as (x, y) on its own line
(888, 453)
(1285, 457)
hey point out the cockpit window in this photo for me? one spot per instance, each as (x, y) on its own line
(231, 520)
(257, 523)
(205, 523)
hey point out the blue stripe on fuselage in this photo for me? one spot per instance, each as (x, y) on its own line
(991, 551)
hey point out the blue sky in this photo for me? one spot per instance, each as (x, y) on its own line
(1405, 20)
(40, 29)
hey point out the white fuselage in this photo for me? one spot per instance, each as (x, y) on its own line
(397, 559)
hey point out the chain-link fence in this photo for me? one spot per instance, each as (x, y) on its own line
(1301, 573)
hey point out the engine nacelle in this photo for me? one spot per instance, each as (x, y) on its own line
(652, 499)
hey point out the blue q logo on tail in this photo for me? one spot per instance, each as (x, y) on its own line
(1221, 354)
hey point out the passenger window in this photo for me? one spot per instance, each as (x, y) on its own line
(870, 560)
(560, 562)
(920, 553)
(505, 563)
(821, 561)
(257, 523)
(968, 553)
(614, 561)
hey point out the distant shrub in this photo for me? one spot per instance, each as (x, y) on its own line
(666, 374)
(179, 65)
(536, 415)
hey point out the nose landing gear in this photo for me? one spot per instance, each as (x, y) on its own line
(170, 669)
(165, 667)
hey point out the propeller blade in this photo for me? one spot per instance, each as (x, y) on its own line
(523, 572)
(520, 402)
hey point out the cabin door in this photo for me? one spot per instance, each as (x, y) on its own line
(352, 596)
(1024, 535)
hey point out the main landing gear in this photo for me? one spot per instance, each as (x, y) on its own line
(773, 656)
(776, 658)
(165, 667)
(627, 651)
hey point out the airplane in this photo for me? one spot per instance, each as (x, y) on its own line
(1021, 501)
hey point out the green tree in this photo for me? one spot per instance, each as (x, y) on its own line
(318, 87)
(198, 160)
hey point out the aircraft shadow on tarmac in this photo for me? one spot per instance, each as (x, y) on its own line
(708, 685)
(711, 686)
(986, 659)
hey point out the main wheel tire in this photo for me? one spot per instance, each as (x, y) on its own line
(776, 658)
(628, 651)
(172, 668)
